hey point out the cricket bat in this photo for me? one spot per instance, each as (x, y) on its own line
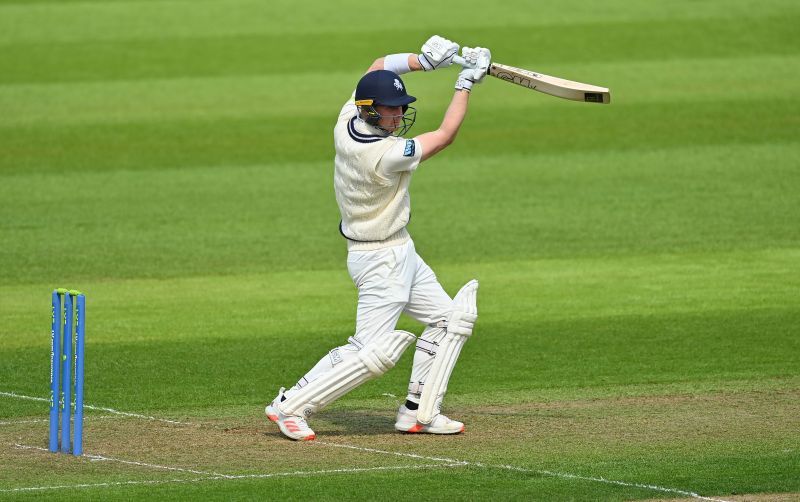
(547, 84)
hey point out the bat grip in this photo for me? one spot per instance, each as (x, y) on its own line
(462, 62)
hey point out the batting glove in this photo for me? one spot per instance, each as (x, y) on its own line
(478, 60)
(437, 53)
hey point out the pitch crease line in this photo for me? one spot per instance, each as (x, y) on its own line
(563, 475)
(208, 476)
(98, 408)
(43, 420)
(133, 462)
(97, 485)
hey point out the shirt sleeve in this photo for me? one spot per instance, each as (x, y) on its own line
(349, 107)
(404, 155)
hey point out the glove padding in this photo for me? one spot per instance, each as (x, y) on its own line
(478, 59)
(437, 52)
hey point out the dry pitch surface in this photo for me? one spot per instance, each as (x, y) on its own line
(129, 450)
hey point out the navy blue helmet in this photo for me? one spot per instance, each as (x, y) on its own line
(384, 87)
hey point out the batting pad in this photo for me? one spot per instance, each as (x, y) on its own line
(459, 328)
(372, 360)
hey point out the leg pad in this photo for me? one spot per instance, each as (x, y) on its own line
(372, 360)
(459, 329)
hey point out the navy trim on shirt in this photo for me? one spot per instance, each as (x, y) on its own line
(360, 136)
(341, 231)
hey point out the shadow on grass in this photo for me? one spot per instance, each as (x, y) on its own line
(354, 423)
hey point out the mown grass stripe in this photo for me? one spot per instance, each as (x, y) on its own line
(76, 20)
(174, 143)
(244, 54)
(683, 200)
(202, 98)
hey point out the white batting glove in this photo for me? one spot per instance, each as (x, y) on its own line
(478, 59)
(437, 53)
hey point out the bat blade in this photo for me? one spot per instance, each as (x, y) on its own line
(554, 86)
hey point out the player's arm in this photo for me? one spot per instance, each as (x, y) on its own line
(437, 52)
(397, 62)
(434, 142)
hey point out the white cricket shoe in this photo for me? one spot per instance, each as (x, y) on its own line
(407, 422)
(292, 426)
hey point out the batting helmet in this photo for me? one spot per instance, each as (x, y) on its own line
(384, 87)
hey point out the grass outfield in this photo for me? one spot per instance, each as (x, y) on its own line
(639, 263)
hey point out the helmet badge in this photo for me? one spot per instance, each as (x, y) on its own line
(398, 85)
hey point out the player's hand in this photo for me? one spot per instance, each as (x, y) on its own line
(437, 53)
(478, 59)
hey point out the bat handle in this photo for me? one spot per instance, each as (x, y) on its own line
(462, 62)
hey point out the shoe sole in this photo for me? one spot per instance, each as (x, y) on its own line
(418, 428)
(271, 414)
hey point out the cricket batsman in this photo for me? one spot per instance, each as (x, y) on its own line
(373, 167)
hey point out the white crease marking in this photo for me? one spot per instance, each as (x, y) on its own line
(132, 462)
(531, 471)
(207, 476)
(98, 408)
(41, 420)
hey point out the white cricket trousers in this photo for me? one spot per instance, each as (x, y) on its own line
(391, 281)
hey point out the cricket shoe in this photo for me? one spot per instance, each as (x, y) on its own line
(292, 426)
(407, 422)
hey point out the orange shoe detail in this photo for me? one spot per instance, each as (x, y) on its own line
(274, 418)
(310, 438)
(417, 427)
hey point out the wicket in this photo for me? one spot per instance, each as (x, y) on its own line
(62, 361)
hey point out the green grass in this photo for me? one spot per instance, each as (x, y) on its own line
(639, 262)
